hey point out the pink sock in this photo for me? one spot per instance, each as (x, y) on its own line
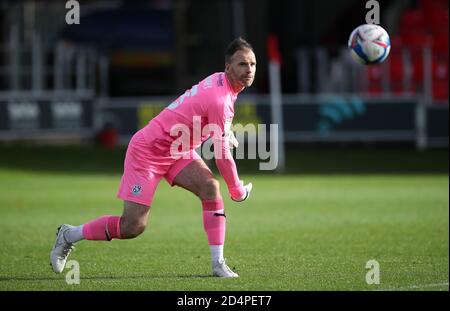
(214, 221)
(104, 228)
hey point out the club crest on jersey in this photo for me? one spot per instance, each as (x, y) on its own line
(136, 189)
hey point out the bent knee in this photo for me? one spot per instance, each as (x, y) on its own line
(132, 228)
(210, 189)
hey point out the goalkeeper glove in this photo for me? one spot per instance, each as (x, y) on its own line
(233, 142)
(248, 188)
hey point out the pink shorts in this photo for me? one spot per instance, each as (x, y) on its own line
(144, 167)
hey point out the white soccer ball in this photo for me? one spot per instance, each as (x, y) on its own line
(369, 44)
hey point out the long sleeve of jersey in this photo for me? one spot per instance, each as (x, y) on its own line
(227, 167)
(220, 122)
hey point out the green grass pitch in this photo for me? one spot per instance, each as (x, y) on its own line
(312, 229)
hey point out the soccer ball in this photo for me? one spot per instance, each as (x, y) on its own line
(369, 44)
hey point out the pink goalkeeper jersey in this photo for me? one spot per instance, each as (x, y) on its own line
(206, 110)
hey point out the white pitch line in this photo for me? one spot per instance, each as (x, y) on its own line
(429, 285)
(417, 286)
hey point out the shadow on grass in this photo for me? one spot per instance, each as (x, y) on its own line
(299, 160)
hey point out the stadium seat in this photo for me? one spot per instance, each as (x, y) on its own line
(440, 44)
(436, 21)
(440, 77)
(426, 4)
(418, 39)
(395, 64)
(440, 91)
(417, 67)
(415, 43)
(440, 58)
(411, 21)
(396, 72)
(374, 78)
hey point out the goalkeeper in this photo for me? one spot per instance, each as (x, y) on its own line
(154, 153)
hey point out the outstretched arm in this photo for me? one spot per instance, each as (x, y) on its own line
(220, 115)
(227, 168)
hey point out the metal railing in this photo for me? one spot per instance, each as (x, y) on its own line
(318, 72)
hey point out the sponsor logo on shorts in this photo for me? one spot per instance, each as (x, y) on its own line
(136, 189)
